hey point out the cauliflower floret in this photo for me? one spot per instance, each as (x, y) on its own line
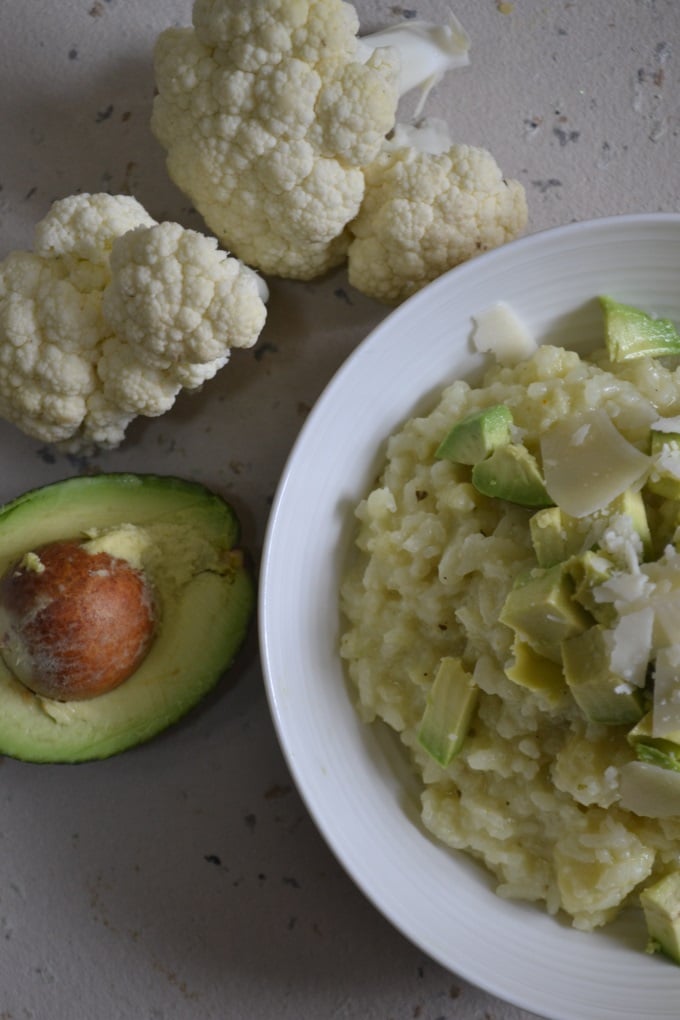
(174, 297)
(429, 205)
(111, 315)
(269, 112)
(82, 228)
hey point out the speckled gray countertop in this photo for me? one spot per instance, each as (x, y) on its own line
(185, 879)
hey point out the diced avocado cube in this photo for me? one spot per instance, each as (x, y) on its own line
(587, 571)
(666, 522)
(649, 790)
(541, 610)
(474, 437)
(512, 473)
(662, 751)
(535, 673)
(631, 333)
(555, 535)
(661, 907)
(450, 705)
(602, 695)
(632, 504)
(548, 536)
(664, 446)
(658, 438)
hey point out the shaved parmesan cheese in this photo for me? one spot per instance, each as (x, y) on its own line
(585, 469)
(667, 425)
(500, 331)
(666, 714)
(632, 646)
(668, 459)
(624, 589)
(664, 575)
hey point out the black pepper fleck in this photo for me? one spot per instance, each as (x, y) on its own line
(47, 455)
(265, 348)
(566, 136)
(545, 185)
(277, 791)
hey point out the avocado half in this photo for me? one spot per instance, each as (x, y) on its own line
(204, 590)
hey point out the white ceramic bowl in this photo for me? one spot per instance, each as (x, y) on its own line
(352, 776)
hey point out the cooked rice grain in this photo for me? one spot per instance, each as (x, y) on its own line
(533, 792)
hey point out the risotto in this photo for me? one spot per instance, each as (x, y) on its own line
(534, 787)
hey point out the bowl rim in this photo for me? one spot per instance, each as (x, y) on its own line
(454, 278)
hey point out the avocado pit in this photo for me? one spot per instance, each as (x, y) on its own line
(74, 623)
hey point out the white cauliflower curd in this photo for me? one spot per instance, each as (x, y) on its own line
(111, 315)
(274, 117)
(429, 205)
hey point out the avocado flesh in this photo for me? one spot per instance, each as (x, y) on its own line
(662, 751)
(448, 712)
(557, 536)
(511, 473)
(206, 596)
(602, 695)
(474, 437)
(666, 485)
(649, 790)
(535, 672)
(631, 333)
(661, 907)
(541, 611)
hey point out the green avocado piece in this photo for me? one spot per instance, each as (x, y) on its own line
(661, 907)
(448, 711)
(187, 538)
(587, 571)
(666, 485)
(542, 612)
(662, 751)
(631, 333)
(512, 473)
(536, 673)
(602, 695)
(557, 536)
(474, 437)
(631, 504)
(649, 790)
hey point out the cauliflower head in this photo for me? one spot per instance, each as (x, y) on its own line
(268, 112)
(426, 210)
(278, 121)
(111, 315)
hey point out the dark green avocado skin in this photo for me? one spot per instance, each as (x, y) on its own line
(206, 599)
